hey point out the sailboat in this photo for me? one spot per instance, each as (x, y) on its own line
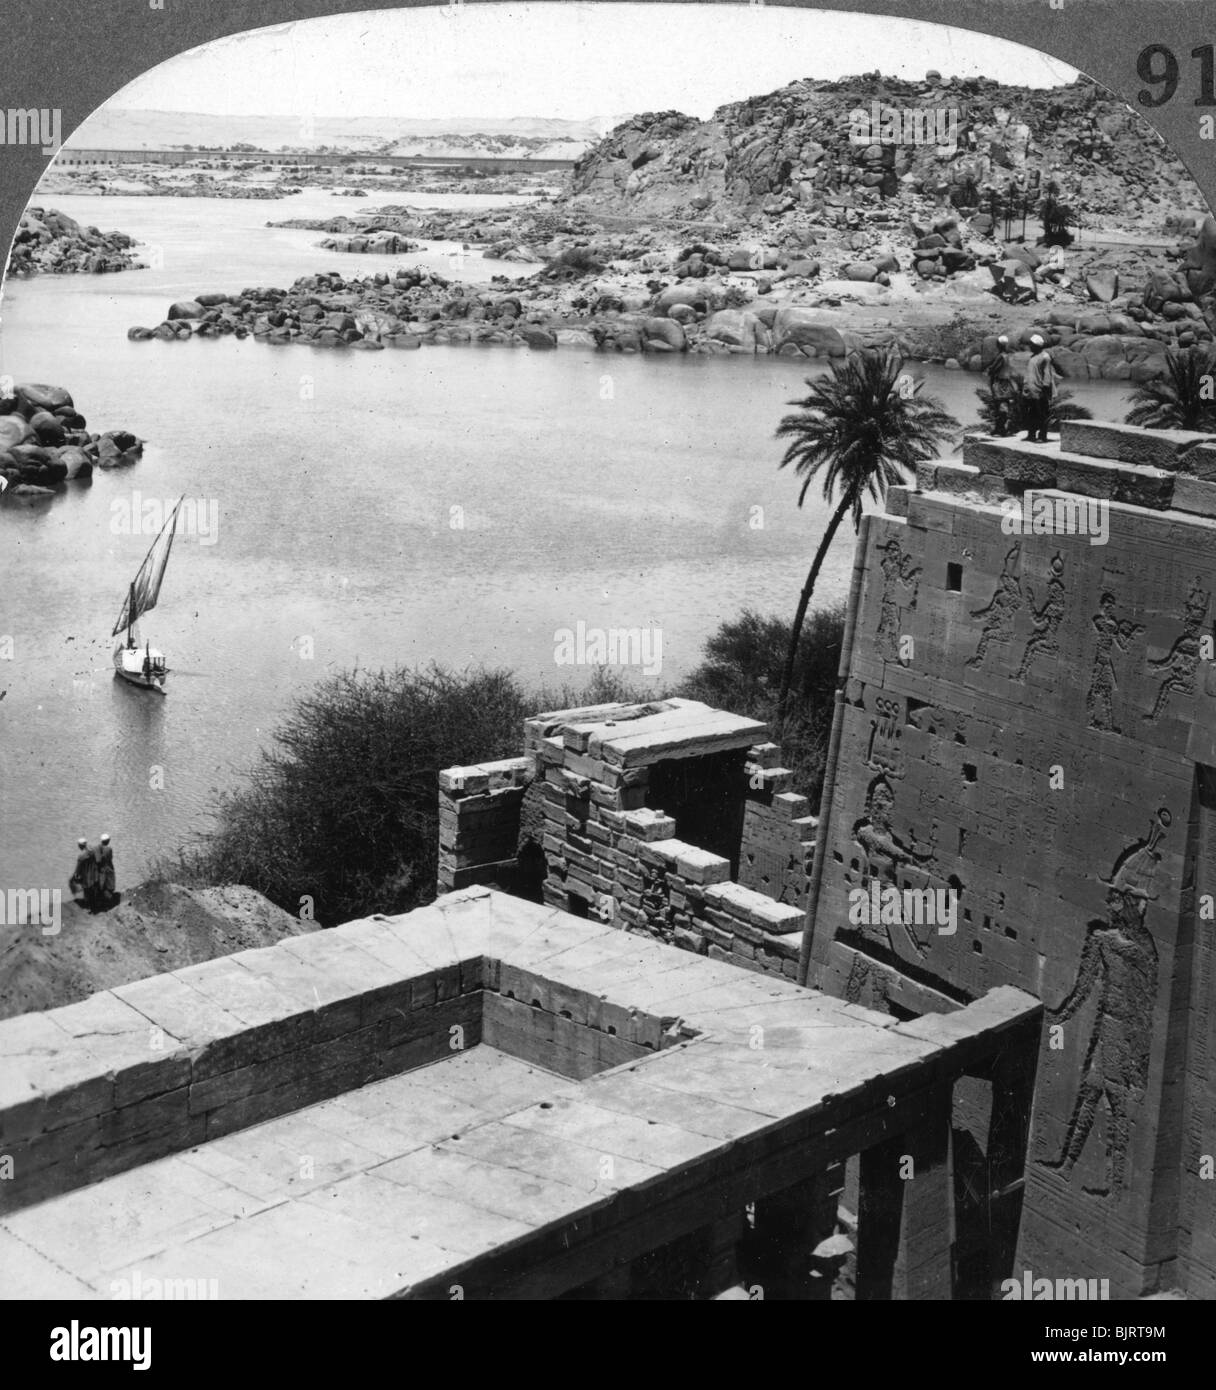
(143, 665)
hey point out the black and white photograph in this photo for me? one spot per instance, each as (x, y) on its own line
(608, 668)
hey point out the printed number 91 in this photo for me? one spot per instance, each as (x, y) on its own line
(1158, 66)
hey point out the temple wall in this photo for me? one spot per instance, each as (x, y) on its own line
(1027, 726)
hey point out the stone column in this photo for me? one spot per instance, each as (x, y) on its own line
(790, 1225)
(905, 1225)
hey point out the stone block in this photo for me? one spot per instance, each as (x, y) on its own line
(700, 866)
(1194, 496)
(897, 501)
(647, 825)
(1143, 448)
(1115, 482)
(1019, 464)
(765, 754)
(1200, 462)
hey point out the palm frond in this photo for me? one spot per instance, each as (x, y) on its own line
(857, 434)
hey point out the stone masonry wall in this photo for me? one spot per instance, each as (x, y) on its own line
(610, 856)
(1029, 720)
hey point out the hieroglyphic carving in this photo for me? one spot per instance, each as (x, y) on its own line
(1000, 612)
(1118, 965)
(1114, 634)
(861, 974)
(898, 572)
(886, 730)
(1046, 620)
(1179, 666)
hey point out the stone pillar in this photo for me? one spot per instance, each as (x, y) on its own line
(905, 1225)
(790, 1225)
(1013, 1077)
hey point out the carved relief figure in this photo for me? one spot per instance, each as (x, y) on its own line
(1047, 619)
(1179, 667)
(885, 854)
(1118, 968)
(1001, 611)
(898, 572)
(1114, 635)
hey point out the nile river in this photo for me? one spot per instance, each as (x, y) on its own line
(454, 504)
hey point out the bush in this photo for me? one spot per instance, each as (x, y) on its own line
(343, 809)
(742, 673)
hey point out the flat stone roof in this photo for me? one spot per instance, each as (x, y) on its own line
(483, 1170)
(637, 735)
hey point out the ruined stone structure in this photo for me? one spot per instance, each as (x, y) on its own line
(486, 1098)
(1027, 725)
(668, 818)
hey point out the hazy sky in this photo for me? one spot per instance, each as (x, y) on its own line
(569, 60)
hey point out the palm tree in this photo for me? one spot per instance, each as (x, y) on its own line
(859, 430)
(1056, 217)
(1182, 398)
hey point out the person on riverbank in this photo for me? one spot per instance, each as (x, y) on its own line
(105, 873)
(1001, 385)
(1038, 390)
(83, 883)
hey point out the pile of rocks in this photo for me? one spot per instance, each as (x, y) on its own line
(49, 242)
(44, 441)
(788, 154)
(377, 244)
(940, 252)
(373, 313)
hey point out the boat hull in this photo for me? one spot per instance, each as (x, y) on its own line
(141, 666)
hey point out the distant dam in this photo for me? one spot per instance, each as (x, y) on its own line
(69, 157)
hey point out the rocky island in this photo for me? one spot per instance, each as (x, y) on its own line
(49, 242)
(45, 442)
(774, 228)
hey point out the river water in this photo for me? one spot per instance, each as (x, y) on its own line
(455, 504)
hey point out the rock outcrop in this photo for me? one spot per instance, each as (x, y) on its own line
(789, 152)
(52, 243)
(773, 208)
(45, 442)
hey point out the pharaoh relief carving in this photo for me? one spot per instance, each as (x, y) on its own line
(1117, 974)
(1176, 671)
(900, 587)
(1044, 639)
(1115, 636)
(1001, 611)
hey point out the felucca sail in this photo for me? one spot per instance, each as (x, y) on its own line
(145, 587)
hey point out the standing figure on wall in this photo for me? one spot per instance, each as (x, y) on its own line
(1046, 621)
(1114, 634)
(1118, 969)
(898, 571)
(1001, 611)
(1179, 667)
